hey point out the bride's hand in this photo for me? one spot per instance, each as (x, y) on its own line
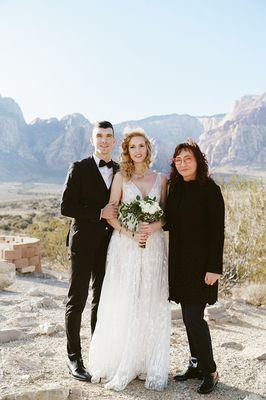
(150, 229)
(140, 238)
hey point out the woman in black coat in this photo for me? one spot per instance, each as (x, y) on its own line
(195, 219)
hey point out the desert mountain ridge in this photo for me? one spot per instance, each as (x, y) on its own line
(43, 149)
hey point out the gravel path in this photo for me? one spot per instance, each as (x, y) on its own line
(34, 305)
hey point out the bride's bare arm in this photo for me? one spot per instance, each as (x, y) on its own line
(115, 197)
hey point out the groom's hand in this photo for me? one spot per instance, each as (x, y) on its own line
(109, 211)
(211, 278)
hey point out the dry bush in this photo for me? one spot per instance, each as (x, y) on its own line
(244, 250)
(254, 294)
(245, 237)
(52, 232)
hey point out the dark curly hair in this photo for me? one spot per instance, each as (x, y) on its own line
(202, 164)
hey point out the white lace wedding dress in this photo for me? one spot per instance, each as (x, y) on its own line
(132, 335)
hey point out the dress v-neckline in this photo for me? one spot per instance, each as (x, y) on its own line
(149, 192)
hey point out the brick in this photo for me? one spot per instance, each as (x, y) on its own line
(19, 245)
(30, 252)
(25, 270)
(24, 252)
(38, 268)
(36, 250)
(11, 254)
(27, 252)
(21, 251)
(21, 263)
(34, 260)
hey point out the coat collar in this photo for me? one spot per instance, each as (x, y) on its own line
(100, 181)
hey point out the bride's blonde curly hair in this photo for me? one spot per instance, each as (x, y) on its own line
(126, 163)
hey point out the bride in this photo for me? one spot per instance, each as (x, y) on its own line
(132, 334)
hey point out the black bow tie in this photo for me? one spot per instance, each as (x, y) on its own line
(108, 164)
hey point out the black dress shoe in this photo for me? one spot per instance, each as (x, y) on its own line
(208, 384)
(78, 371)
(191, 373)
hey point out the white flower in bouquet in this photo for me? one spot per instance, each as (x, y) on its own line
(140, 210)
(150, 207)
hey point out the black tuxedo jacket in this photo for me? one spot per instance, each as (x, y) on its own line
(85, 194)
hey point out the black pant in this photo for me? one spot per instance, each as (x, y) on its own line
(199, 337)
(90, 265)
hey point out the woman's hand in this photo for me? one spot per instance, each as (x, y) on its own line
(211, 278)
(150, 229)
(140, 238)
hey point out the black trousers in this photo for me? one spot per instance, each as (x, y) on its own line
(199, 337)
(85, 266)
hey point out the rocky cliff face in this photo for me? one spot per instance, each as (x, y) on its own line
(16, 156)
(60, 142)
(12, 129)
(240, 138)
(43, 149)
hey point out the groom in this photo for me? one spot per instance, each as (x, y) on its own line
(85, 199)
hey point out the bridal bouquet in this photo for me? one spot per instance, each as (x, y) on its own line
(140, 210)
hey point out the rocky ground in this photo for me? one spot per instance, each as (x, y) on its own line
(33, 355)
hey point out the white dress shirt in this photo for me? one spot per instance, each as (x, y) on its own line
(107, 173)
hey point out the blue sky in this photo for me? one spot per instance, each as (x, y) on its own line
(122, 60)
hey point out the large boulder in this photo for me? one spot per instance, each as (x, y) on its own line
(7, 274)
(56, 393)
(8, 335)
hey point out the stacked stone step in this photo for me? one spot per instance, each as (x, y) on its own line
(23, 252)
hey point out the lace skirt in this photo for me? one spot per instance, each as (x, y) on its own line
(132, 335)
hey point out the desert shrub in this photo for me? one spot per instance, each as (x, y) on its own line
(42, 221)
(13, 204)
(35, 205)
(244, 250)
(52, 232)
(15, 223)
(254, 294)
(5, 227)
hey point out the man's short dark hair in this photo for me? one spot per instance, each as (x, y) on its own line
(104, 125)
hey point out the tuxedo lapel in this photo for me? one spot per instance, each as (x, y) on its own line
(99, 179)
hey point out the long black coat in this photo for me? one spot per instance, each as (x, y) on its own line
(85, 194)
(195, 219)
